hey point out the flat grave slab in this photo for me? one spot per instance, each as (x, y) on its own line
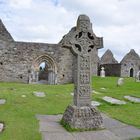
(132, 99)
(95, 103)
(2, 101)
(113, 100)
(39, 94)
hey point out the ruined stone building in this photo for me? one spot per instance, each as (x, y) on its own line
(111, 65)
(108, 58)
(30, 62)
(130, 64)
(128, 67)
(22, 61)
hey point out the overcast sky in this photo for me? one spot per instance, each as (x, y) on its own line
(117, 21)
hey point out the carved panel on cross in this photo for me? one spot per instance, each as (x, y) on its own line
(84, 25)
(84, 90)
(84, 77)
(84, 62)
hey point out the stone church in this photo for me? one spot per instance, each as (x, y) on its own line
(128, 67)
(30, 62)
(130, 64)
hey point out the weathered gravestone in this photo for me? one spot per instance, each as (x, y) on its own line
(82, 42)
(1, 127)
(120, 82)
(102, 72)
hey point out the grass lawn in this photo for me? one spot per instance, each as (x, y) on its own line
(19, 113)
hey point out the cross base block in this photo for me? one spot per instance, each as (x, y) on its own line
(86, 117)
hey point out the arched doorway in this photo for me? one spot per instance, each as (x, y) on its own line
(131, 72)
(43, 70)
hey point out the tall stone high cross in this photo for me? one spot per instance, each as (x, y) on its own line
(82, 41)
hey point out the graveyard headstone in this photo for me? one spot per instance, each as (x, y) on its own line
(102, 72)
(120, 82)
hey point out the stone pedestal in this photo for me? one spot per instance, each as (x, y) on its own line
(82, 117)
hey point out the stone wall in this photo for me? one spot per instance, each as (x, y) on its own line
(17, 58)
(111, 69)
(4, 34)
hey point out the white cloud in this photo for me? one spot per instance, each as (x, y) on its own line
(118, 21)
(20, 3)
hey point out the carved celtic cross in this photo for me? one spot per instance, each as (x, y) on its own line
(82, 42)
(82, 47)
